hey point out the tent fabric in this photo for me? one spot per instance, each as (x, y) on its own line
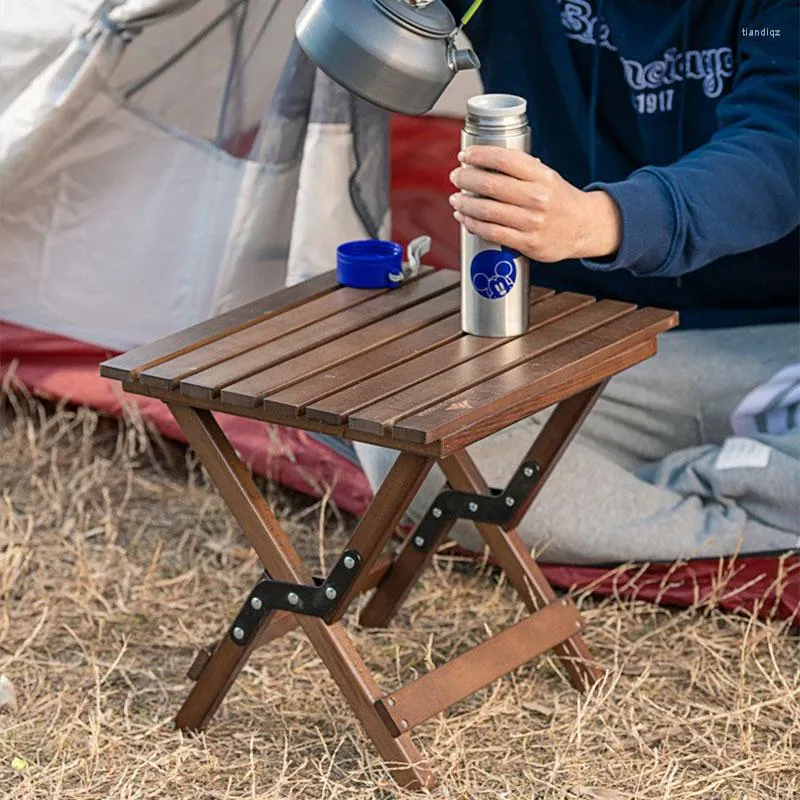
(131, 205)
(111, 142)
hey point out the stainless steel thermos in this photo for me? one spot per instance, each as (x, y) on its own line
(495, 280)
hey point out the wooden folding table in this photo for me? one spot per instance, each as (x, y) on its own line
(390, 367)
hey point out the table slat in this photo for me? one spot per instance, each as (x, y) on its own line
(128, 365)
(294, 400)
(208, 382)
(499, 395)
(381, 416)
(168, 374)
(249, 391)
(335, 409)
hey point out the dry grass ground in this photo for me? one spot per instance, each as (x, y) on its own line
(117, 561)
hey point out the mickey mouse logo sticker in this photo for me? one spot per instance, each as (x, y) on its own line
(493, 273)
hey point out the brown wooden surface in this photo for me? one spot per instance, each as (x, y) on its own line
(292, 370)
(408, 382)
(381, 417)
(168, 374)
(467, 673)
(592, 373)
(293, 400)
(391, 366)
(128, 365)
(371, 366)
(333, 330)
(504, 389)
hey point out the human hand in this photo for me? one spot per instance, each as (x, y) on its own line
(529, 207)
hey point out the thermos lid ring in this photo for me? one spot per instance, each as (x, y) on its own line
(496, 105)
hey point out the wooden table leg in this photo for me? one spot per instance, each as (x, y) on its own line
(552, 441)
(283, 563)
(524, 573)
(400, 579)
(546, 451)
(216, 679)
(381, 519)
(225, 663)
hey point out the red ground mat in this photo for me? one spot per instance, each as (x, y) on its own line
(423, 153)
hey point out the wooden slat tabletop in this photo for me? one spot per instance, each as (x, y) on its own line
(390, 365)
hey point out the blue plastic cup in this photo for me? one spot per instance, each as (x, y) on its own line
(369, 264)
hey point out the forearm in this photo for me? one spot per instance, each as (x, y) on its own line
(602, 227)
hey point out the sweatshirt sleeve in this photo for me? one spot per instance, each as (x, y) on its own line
(739, 191)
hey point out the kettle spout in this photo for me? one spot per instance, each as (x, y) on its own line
(463, 59)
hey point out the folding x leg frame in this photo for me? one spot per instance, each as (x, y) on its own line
(288, 595)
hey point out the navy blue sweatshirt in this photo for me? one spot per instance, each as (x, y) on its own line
(686, 113)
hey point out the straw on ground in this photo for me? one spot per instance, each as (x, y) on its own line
(117, 561)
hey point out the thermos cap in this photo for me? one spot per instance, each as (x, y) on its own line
(496, 105)
(369, 264)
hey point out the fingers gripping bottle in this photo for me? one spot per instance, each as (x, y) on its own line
(495, 280)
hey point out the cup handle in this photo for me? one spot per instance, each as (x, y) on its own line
(417, 248)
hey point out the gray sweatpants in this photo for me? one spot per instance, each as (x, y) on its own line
(640, 480)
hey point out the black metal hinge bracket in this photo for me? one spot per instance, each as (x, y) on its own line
(496, 508)
(313, 601)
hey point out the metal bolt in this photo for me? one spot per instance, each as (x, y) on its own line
(510, 501)
(473, 507)
(437, 512)
(404, 723)
(419, 541)
(577, 623)
(293, 598)
(238, 634)
(391, 701)
(349, 562)
(330, 593)
(255, 603)
(528, 472)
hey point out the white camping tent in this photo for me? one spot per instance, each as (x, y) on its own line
(122, 210)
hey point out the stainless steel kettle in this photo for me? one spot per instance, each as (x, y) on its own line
(398, 54)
